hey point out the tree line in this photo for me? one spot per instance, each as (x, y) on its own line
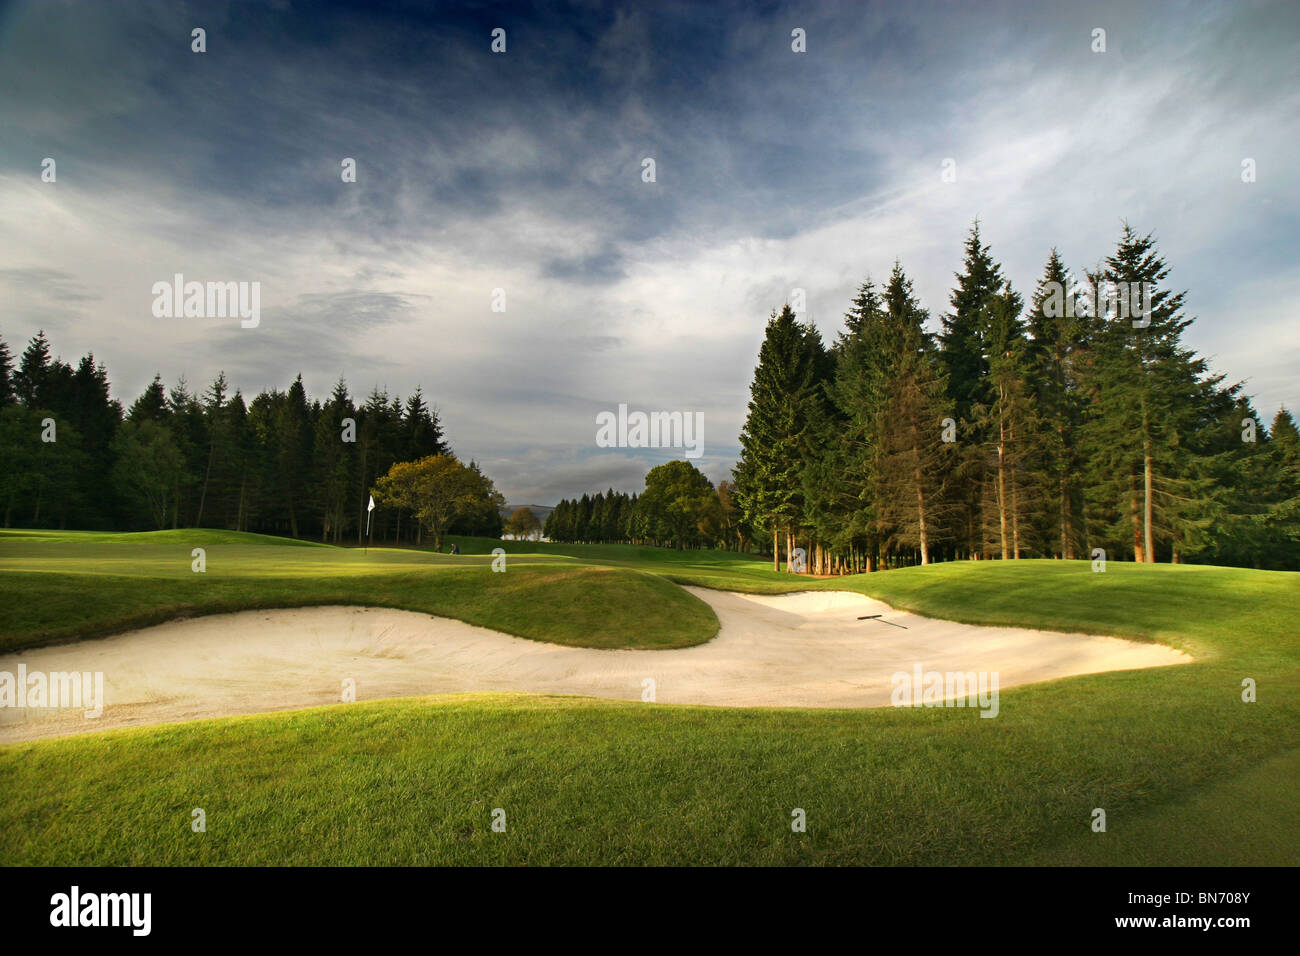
(1077, 422)
(1049, 430)
(282, 464)
(680, 508)
(1046, 429)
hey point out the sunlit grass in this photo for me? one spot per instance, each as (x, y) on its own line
(1187, 772)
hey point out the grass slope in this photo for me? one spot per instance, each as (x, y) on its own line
(80, 585)
(1186, 771)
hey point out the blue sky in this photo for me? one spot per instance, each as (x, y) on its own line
(522, 171)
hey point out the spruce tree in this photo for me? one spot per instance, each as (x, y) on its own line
(860, 389)
(785, 394)
(7, 396)
(1053, 355)
(31, 380)
(333, 463)
(185, 419)
(912, 488)
(1148, 395)
(1011, 427)
(152, 403)
(964, 357)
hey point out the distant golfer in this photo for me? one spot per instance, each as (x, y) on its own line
(455, 548)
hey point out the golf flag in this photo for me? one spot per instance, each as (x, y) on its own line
(371, 506)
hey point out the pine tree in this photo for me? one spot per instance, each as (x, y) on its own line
(1281, 523)
(243, 450)
(31, 380)
(422, 433)
(860, 390)
(963, 341)
(7, 396)
(333, 462)
(379, 447)
(787, 394)
(1053, 354)
(964, 358)
(1010, 426)
(188, 428)
(88, 404)
(293, 452)
(912, 491)
(214, 409)
(152, 403)
(1148, 395)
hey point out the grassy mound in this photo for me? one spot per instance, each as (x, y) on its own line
(85, 586)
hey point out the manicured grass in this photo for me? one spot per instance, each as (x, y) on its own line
(141, 539)
(1186, 771)
(415, 782)
(79, 586)
(722, 570)
(1251, 818)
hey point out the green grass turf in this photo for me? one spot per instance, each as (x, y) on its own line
(1250, 818)
(76, 585)
(1186, 771)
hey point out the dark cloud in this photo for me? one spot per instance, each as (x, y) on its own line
(601, 267)
(522, 171)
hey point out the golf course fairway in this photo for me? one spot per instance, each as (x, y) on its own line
(1172, 753)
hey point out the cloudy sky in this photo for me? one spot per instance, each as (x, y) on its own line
(522, 171)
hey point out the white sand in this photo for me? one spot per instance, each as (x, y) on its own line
(800, 650)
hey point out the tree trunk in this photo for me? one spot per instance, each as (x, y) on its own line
(1015, 512)
(1148, 506)
(1137, 522)
(920, 513)
(1065, 535)
(207, 474)
(1002, 486)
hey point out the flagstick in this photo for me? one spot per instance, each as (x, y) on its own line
(369, 534)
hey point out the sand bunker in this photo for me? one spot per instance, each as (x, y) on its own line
(796, 650)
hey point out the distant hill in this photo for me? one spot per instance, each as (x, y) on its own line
(541, 511)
